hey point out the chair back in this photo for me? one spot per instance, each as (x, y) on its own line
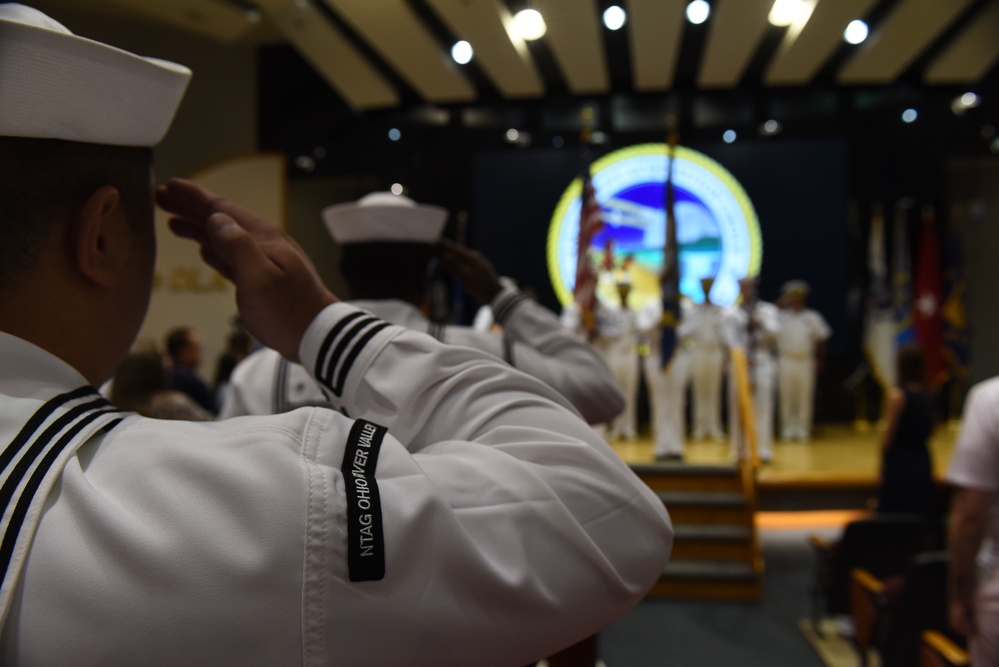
(883, 545)
(922, 605)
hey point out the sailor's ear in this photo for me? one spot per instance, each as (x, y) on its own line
(95, 236)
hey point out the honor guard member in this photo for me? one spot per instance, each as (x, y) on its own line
(468, 516)
(388, 242)
(801, 342)
(667, 386)
(707, 361)
(616, 340)
(751, 326)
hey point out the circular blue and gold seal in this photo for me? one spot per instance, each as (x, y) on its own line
(718, 232)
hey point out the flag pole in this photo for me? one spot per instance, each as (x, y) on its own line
(670, 277)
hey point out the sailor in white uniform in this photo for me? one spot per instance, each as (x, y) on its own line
(751, 326)
(616, 340)
(667, 386)
(387, 242)
(707, 363)
(486, 525)
(801, 338)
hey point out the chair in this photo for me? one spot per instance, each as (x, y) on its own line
(891, 615)
(937, 650)
(881, 544)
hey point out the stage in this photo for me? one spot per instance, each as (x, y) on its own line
(837, 469)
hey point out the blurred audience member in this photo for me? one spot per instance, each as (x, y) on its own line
(238, 347)
(906, 469)
(184, 347)
(142, 384)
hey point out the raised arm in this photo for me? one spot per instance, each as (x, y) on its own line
(542, 346)
(509, 528)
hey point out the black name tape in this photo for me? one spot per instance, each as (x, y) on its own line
(365, 540)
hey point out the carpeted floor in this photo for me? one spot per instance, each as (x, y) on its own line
(716, 634)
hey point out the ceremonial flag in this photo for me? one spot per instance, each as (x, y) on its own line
(902, 281)
(670, 282)
(928, 321)
(955, 315)
(590, 223)
(879, 320)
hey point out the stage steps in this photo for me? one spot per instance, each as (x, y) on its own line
(716, 554)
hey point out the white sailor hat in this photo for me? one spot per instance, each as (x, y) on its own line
(382, 217)
(795, 287)
(56, 85)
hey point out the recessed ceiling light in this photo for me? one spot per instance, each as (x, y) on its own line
(698, 12)
(614, 17)
(771, 127)
(529, 24)
(729, 136)
(394, 134)
(462, 52)
(786, 12)
(512, 135)
(397, 189)
(909, 115)
(856, 32)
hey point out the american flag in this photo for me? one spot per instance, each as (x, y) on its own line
(670, 279)
(590, 224)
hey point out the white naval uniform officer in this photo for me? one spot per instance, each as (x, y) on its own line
(387, 242)
(751, 326)
(667, 386)
(707, 363)
(616, 339)
(487, 526)
(801, 337)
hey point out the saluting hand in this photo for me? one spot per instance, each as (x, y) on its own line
(471, 267)
(278, 291)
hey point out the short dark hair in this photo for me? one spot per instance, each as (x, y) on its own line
(176, 340)
(386, 270)
(140, 376)
(43, 178)
(911, 363)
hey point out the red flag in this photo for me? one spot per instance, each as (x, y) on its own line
(929, 300)
(590, 224)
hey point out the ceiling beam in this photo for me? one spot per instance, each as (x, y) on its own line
(218, 20)
(806, 48)
(656, 29)
(502, 56)
(395, 32)
(332, 55)
(910, 28)
(735, 32)
(972, 53)
(576, 44)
